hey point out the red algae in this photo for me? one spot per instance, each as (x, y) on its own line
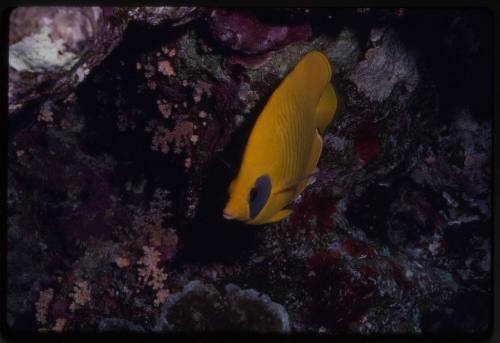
(367, 143)
(358, 248)
(315, 206)
(338, 295)
(243, 31)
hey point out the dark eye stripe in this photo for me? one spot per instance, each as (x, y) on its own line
(259, 195)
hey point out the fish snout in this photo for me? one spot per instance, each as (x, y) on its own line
(228, 215)
(235, 209)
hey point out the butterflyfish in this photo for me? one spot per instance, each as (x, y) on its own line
(285, 144)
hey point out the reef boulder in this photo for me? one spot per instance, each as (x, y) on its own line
(202, 307)
(242, 31)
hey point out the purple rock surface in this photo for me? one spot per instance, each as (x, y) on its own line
(242, 31)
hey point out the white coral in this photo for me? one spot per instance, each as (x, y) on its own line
(38, 53)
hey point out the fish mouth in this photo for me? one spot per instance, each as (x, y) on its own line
(228, 215)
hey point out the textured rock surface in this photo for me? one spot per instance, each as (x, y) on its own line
(200, 307)
(386, 64)
(160, 14)
(118, 325)
(251, 311)
(121, 149)
(52, 49)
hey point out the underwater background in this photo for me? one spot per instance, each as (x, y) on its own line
(126, 126)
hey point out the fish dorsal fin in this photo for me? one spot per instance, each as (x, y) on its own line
(292, 185)
(326, 108)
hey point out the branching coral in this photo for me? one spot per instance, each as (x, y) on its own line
(122, 262)
(201, 87)
(59, 325)
(42, 305)
(149, 224)
(42, 308)
(165, 67)
(80, 295)
(46, 115)
(178, 138)
(165, 108)
(150, 274)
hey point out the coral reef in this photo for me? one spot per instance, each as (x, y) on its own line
(126, 126)
(201, 307)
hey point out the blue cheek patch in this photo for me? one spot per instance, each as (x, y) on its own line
(259, 195)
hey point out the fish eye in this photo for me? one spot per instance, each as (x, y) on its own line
(259, 194)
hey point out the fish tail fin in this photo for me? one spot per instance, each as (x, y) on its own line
(326, 108)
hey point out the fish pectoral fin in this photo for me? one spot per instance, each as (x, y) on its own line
(279, 216)
(289, 187)
(292, 185)
(326, 108)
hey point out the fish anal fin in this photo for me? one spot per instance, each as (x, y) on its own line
(312, 169)
(292, 186)
(279, 216)
(326, 108)
(316, 149)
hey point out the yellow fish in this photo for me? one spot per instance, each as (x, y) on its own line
(285, 144)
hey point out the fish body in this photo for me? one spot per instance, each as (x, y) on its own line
(285, 144)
